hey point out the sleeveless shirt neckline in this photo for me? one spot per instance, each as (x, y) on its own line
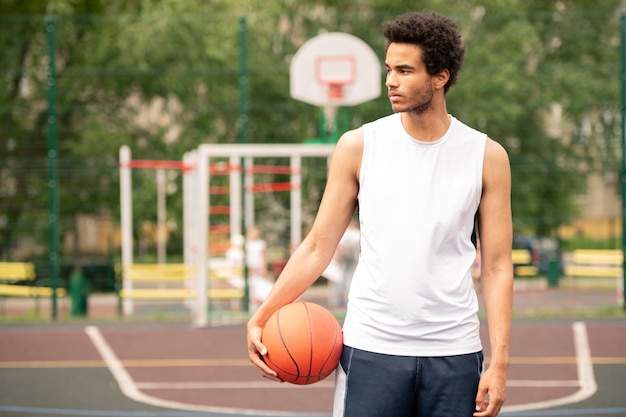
(433, 143)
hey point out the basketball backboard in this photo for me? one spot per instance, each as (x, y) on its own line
(335, 69)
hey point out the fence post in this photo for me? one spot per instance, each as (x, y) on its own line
(52, 166)
(623, 145)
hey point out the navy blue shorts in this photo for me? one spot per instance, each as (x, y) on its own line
(376, 385)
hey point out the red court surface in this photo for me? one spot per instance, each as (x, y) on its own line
(559, 367)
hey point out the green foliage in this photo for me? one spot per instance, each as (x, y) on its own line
(534, 68)
(582, 242)
(162, 76)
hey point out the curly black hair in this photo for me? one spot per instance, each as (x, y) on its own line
(437, 36)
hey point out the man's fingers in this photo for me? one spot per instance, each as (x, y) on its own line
(261, 349)
(256, 357)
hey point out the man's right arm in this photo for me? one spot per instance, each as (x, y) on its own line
(313, 255)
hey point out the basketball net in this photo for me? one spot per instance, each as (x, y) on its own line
(335, 91)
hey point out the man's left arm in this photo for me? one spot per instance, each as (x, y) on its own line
(495, 234)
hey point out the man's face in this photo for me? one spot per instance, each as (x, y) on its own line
(409, 85)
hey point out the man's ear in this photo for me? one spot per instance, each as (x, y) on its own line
(441, 79)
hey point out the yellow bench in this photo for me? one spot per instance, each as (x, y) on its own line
(522, 259)
(158, 272)
(172, 273)
(11, 290)
(12, 272)
(17, 271)
(595, 263)
(178, 293)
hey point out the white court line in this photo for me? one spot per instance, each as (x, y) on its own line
(532, 383)
(232, 385)
(586, 376)
(322, 384)
(586, 381)
(130, 389)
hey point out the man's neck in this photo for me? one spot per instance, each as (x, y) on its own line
(427, 126)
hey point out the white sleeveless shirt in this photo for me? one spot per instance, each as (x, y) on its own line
(412, 292)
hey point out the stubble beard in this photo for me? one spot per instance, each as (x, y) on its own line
(424, 99)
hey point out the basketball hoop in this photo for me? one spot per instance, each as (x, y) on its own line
(335, 72)
(335, 69)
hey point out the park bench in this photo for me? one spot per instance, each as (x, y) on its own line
(522, 262)
(595, 263)
(596, 268)
(17, 271)
(17, 279)
(172, 281)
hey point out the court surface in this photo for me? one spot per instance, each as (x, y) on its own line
(559, 367)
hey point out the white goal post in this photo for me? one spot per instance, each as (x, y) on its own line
(197, 200)
(197, 167)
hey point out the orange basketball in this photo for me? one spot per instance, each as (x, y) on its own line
(303, 342)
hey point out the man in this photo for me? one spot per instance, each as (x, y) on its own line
(411, 334)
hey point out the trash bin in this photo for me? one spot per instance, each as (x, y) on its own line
(553, 273)
(79, 291)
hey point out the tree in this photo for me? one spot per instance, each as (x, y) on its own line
(532, 77)
(22, 154)
(163, 76)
